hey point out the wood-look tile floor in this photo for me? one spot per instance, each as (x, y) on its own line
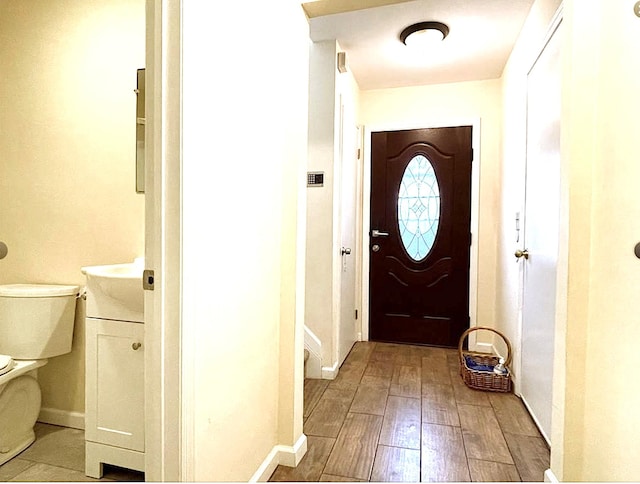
(401, 413)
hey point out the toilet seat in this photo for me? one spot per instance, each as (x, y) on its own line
(6, 364)
(20, 367)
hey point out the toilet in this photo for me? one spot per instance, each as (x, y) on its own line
(36, 323)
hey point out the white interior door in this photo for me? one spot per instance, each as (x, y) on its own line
(347, 146)
(541, 233)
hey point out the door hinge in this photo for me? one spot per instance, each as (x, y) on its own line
(358, 154)
(148, 280)
(356, 314)
(472, 154)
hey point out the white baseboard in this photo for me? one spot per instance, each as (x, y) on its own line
(330, 372)
(536, 421)
(483, 347)
(549, 476)
(286, 455)
(63, 418)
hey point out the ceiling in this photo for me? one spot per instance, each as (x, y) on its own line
(482, 35)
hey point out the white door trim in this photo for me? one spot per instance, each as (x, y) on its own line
(366, 207)
(164, 421)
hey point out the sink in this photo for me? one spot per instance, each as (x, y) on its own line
(115, 291)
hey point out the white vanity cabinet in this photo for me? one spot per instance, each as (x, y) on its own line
(114, 413)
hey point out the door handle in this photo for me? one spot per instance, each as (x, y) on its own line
(378, 233)
(522, 253)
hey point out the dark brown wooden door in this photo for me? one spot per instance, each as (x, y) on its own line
(420, 235)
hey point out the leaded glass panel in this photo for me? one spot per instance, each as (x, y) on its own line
(418, 207)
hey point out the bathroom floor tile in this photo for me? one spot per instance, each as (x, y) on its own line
(11, 469)
(47, 473)
(57, 446)
(57, 455)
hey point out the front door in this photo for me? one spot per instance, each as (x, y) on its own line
(420, 235)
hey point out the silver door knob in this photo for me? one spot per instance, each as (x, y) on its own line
(522, 253)
(345, 251)
(378, 233)
(375, 248)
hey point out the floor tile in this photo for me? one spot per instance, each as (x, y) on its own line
(312, 464)
(355, 448)
(530, 454)
(12, 468)
(379, 368)
(443, 454)
(405, 382)
(349, 376)
(484, 471)
(439, 405)
(361, 351)
(513, 415)
(369, 399)
(407, 359)
(482, 435)
(57, 446)
(329, 414)
(453, 359)
(313, 390)
(395, 464)
(331, 478)
(401, 424)
(465, 395)
(381, 357)
(376, 381)
(40, 472)
(435, 370)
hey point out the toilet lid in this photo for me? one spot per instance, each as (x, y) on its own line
(6, 364)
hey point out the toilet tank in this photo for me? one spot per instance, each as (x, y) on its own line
(36, 320)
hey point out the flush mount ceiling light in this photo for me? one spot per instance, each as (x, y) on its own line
(424, 33)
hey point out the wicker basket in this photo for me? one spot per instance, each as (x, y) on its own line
(482, 379)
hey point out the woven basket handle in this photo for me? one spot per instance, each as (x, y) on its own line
(504, 338)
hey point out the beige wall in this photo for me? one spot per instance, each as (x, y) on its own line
(67, 152)
(449, 104)
(599, 438)
(244, 144)
(321, 223)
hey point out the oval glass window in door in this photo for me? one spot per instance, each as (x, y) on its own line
(418, 207)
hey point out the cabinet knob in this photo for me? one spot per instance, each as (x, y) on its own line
(136, 346)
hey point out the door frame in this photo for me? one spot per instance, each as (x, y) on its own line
(167, 427)
(365, 208)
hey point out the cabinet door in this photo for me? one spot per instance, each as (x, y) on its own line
(115, 383)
